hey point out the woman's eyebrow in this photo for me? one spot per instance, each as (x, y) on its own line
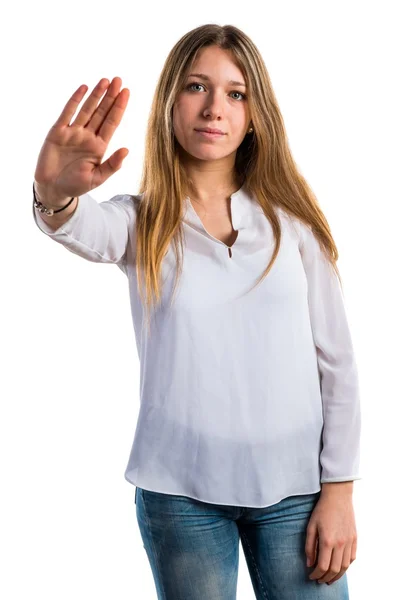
(206, 78)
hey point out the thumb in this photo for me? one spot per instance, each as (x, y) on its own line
(110, 166)
(311, 543)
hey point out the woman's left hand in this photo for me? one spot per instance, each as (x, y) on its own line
(332, 526)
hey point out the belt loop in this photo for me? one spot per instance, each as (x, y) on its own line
(135, 494)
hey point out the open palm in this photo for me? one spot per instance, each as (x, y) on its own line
(69, 162)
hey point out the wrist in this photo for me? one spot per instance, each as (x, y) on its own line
(48, 197)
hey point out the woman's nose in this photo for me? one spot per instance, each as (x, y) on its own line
(214, 104)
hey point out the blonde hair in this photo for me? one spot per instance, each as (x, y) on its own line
(263, 160)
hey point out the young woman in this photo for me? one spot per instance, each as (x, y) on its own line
(249, 422)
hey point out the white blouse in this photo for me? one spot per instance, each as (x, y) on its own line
(245, 398)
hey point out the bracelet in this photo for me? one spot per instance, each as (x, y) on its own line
(43, 209)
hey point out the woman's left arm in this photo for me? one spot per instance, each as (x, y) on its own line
(331, 533)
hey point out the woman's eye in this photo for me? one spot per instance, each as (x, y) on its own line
(241, 94)
(191, 85)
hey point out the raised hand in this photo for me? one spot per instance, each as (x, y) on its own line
(70, 160)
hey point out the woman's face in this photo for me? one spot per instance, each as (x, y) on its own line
(214, 102)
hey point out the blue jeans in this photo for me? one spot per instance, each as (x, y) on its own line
(193, 548)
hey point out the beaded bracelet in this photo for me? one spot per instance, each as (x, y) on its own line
(43, 209)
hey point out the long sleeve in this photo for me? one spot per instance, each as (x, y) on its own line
(98, 232)
(340, 455)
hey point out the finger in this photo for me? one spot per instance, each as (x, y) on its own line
(311, 543)
(346, 561)
(324, 560)
(110, 166)
(335, 565)
(90, 104)
(114, 116)
(105, 105)
(353, 551)
(71, 106)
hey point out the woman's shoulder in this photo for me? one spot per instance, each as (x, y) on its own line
(128, 203)
(132, 200)
(296, 226)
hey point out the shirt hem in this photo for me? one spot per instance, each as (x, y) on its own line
(292, 493)
(339, 479)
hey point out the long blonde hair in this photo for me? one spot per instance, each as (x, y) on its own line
(263, 160)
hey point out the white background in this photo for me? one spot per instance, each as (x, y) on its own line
(69, 370)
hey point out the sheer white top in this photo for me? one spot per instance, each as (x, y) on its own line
(246, 397)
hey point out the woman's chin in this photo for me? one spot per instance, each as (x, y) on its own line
(207, 153)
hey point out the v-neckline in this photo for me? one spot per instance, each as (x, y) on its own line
(237, 208)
